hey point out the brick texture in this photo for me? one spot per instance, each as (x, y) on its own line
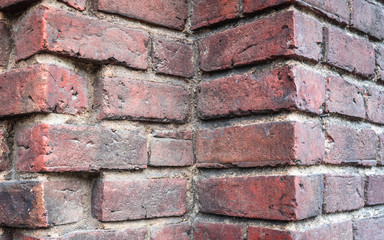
(15, 4)
(4, 150)
(373, 189)
(367, 17)
(77, 4)
(375, 104)
(5, 44)
(171, 152)
(174, 231)
(370, 228)
(207, 230)
(380, 61)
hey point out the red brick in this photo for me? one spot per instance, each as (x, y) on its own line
(48, 29)
(344, 97)
(343, 193)
(264, 197)
(375, 104)
(374, 185)
(167, 13)
(353, 54)
(369, 229)
(4, 150)
(42, 88)
(171, 152)
(348, 145)
(287, 88)
(208, 12)
(268, 144)
(62, 148)
(122, 98)
(117, 200)
(175, 231)
(380, 61)
(251, 6)
(5, 44)
(181, 135)
(368, 18)
(286, 34)
(173, 56)
(40, 204)
(208, 231)
(77, 4)
(15, 4)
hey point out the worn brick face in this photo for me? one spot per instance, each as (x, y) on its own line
(4, 150)
(368, 17)
(171, 152)
(15, 4)
(5, 44)
(375, 104)
(207, 230)
(369, 229)
(380, 61)
(77, 4)
(175, 231)
(374, 185)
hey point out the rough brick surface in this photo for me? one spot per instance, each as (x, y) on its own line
(42, 88)
(77, 4)
(168, 13)
(138, 199)
(207, 230)
(375, 104)
(171, 152)
(5, 44)
(173, 56)
(350, 53)
(369, 229)
(368, 18)
(278, 143)
(15, 4)
(280, 89)
(4, 150)
(60, 148)
(265, 197)
(349, 145)
(69, 34)
(380, 61)
(264, 39)
(343, 193)
(175, 231)
(374, 185)
(119, 98)
(381, 149)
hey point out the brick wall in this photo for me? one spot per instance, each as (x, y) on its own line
(198, 119)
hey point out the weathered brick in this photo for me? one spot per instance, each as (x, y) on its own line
(175, 231)
(271, 144)
(353, 54)
(381, 149)
(380, 61)
(285, 34)
(368, 18)
(168, 13)
(48, 29)
(171, 152)
(61, 148)
(4, 150)
(40, 204)
(15, 4)
(251, 6)
(208, 12)
(181, 135)
(208, 230)
(122, 98)
(77, 4)
(343, 193)
(173, 56)
(375, 104)
(344, 97)
(138, 199)
(369, 229)
(265, 197)
(42, 88)
(5, 44)
(348, 145)
(287, 88)
(374, 185)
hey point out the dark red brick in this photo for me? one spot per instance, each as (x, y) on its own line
(343, 193)
(285, 88)
(375, 104)
(173, 56)
(344, 97)
(61, 148)
(264, 197)
(171, 152)
(268, 144)
(380, 61)
(15, 4)
(208, 12)
(4, 150)
(374, 185)
(208, 231)
(40, 204)
(77, 4)
(5, 44)
(349, 145)
(286, 34)
(42, 88)
(369, 229)
(48, 29)
(168, 13)
(123, 98)
(138, 199)
(368, 18)
(175, 231)
(353, 54)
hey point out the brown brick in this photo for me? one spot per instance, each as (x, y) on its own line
(42, 88)
(122, 98)
(207, 230)
(265, 197)
(343, 193)
(61, 148)
(375, 104)
(171, 152)
(344, 97)
(48, 29)
(4, 150)
(15, 4)
(208, 12)
(368, 18)
(5, 44)
(116, 200)
(40, 204)
(268, 144)
(286, 34)
(348, 145)
(287, 88)
(353, 54)
(175, 231)
(168, 13)
(369, 229)
(77, 4)
(374, 185)
(173, 56)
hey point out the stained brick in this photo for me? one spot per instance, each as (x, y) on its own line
(171, 152)
(368, 18)
(207, 230)
(369, 229)
(175, 231)
(5, 44)
(374, 186)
